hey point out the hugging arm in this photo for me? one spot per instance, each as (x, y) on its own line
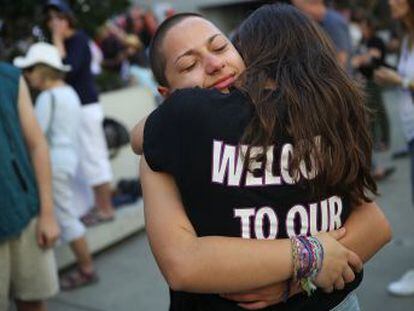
(137, 137)
(203, 264)
(216, 264)
(367, 232)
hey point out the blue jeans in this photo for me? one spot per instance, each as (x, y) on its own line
(350, 303)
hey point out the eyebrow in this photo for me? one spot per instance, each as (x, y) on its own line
(191, 51)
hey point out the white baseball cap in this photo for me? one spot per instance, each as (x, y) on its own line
(41, 53)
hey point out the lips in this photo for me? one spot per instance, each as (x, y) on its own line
(225, 82)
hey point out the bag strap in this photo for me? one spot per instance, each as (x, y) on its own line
(48, 132)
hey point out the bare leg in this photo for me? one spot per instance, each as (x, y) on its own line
(31, 306)
(81, 250)
(103, 200)
(85, 274)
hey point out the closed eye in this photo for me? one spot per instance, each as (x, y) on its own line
(221, 48)
(189, 67)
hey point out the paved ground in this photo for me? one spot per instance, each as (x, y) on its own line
(130, 279)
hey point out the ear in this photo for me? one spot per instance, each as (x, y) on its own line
(164, 91)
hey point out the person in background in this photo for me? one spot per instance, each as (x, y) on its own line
(403, 80)
(58, 112)
(141, 23)
(94, 168)
(370, 55)
(113, 49)
(334, 25)
(28, 228)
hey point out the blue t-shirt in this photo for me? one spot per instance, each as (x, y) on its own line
(78, 56)
(337, 29)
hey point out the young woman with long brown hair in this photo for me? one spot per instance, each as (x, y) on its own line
(251, 163)
(403, 78)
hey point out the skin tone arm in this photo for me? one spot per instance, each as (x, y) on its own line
(342, 58)
(389, 77)
(137, 137)
(368, 230)
(47, 228)
(223, 264)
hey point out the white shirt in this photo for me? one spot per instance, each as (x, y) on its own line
(405, 99)
(60, 125)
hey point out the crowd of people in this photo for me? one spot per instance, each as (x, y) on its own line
(207, 154)
(123, 42)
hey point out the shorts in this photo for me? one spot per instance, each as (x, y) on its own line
(94, 165)
(27, 272)
(350, 303)
(70, 226)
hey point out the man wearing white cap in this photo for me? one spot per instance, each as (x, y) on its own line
(58, 111)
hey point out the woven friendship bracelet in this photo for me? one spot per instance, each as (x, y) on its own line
(307, 255)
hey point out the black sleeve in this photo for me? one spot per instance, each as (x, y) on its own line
(380, 45)
(78, 55)
(162, 137)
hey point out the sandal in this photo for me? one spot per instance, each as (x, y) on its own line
(77, 279)
(94, 218)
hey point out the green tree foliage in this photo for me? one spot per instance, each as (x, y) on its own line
(93, 13)
(17, 17)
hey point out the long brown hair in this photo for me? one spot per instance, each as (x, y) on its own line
(279, 43)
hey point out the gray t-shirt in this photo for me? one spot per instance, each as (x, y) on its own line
(337, 29)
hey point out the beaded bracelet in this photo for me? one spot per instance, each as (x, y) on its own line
(307, 254)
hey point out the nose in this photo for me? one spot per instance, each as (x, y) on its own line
(214, 64)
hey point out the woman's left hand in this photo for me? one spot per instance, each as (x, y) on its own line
(263, 297)
(387, 77)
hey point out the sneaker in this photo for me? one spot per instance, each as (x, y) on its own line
(404, 286)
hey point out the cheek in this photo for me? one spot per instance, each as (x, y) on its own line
(50, 24)
(237, 62)
(35, 80)
(187, 80)
(192, 79)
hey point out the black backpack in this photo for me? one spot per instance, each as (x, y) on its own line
(116, 135)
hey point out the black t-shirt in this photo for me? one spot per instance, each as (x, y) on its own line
(377, 43)
(78, 56)
(195, 137)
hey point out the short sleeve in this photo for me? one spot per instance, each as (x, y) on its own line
(43, 109)
(339, 37)
(162, 138)
(338, 31)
